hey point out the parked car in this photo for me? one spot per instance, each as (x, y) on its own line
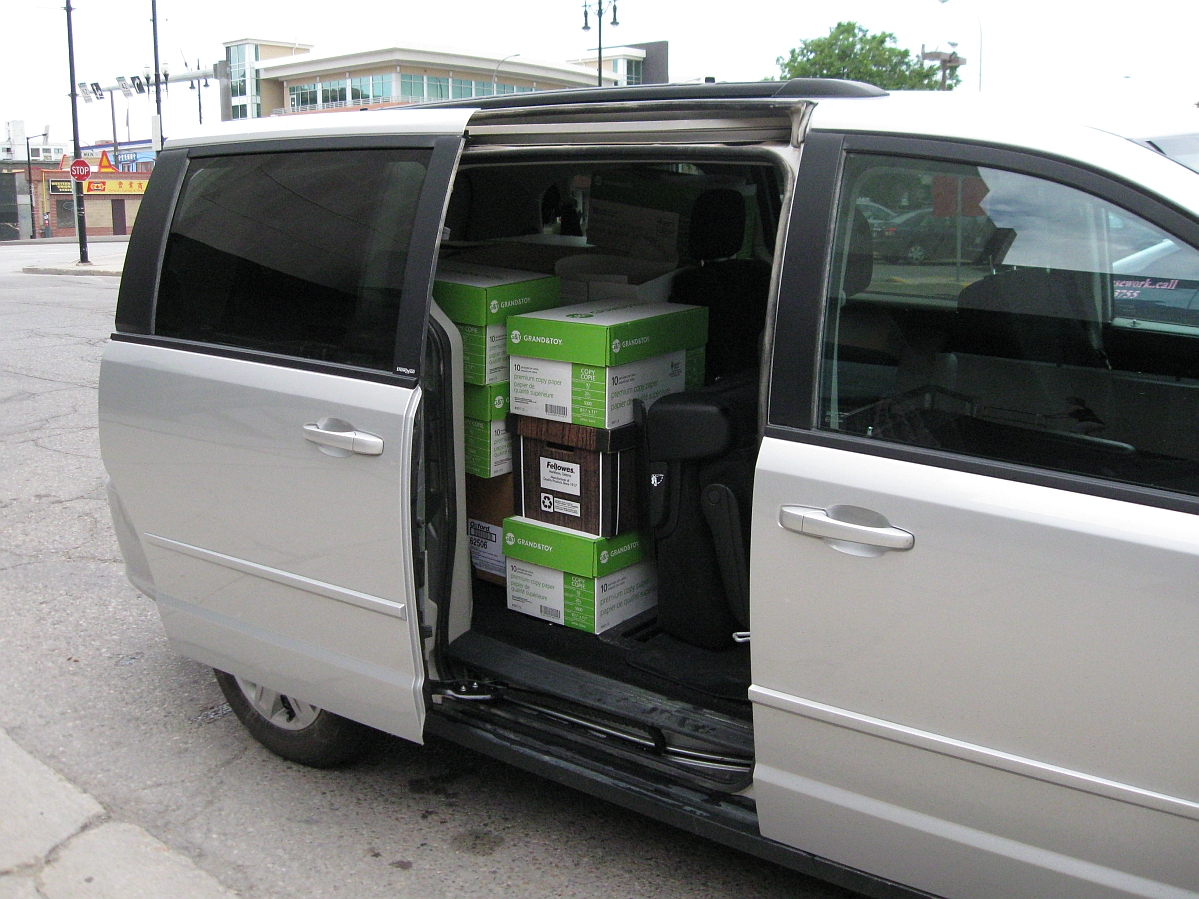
(877, 214)
(922, 236)
(938, 631)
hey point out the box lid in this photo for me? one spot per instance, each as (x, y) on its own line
(607, 332)
(569, 551)
(487, 295)
(598, 440)
(485, 402)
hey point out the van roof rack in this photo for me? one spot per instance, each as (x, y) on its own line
(796, 88)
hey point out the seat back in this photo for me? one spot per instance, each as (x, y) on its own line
(734, 291)
(701, 447)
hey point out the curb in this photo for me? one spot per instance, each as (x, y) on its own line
(56, 843)
(81, 270)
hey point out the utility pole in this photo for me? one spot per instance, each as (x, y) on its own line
(157, 72)
(77, 187)
(29, 182)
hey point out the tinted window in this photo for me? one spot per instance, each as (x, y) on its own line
(1008, 317)
(300, 254)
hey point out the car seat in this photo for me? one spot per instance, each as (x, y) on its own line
(734, 291)
(701, 446)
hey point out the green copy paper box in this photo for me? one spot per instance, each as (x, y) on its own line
(484, 295)
(607, 332)
(567, 550)
(585, 364)
(592, 604)
(488, 442)
(478, 299)
(484, 353)
(488, 447)
(485, 402)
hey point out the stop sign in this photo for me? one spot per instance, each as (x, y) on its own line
(80, 170)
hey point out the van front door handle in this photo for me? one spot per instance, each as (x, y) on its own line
(870, 529)
(348, 439)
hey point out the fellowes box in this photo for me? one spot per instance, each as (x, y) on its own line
(590, 583)
(592, 604)
(576, 477)
(586, 363)
(479, 299)
(488, 502)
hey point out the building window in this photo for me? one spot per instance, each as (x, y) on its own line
(437, 88)
(483, 89)
(236, 57)
(303, 96)
(370, 89)
(462, 87)
(240, 111)
(505, 88)
(635, 69)
(412, 87)
(333, 93)
(523, 90)
(66, 214)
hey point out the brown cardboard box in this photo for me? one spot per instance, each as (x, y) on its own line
(577, 477)
(488, 502)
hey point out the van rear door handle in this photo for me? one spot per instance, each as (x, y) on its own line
(353, 441)
(820, 523)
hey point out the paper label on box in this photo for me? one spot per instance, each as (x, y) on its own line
(488, 448)
(486, 542)
(563, 477)
(541, 389)
(587, 604)
(484, 353)
(551, 503)
(535, 590)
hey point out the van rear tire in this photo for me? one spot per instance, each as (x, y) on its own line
(293, 729)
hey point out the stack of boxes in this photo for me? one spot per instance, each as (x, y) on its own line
(574, 556)
(555, 517)
(479, 299)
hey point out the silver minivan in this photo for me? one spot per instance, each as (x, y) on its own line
(945, 642)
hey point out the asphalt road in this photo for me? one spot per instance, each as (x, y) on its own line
(93, 690)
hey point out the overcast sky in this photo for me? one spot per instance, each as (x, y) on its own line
(1125, 58)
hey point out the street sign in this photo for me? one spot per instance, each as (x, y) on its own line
(80, 170)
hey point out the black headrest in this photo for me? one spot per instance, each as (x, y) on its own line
(717, 224)
(859, 264)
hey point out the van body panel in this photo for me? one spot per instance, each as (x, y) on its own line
(1043, 634)
(270, 558)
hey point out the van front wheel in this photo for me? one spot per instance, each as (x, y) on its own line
(292, 728)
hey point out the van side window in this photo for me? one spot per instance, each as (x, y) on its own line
(300, 254)
(998, 315)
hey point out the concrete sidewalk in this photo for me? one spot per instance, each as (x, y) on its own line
(57, 842)
(110, 266)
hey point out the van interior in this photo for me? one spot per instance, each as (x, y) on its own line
(666, 689)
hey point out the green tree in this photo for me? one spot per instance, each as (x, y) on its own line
(850, 51)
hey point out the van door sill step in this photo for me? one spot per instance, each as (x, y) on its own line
(515, 667)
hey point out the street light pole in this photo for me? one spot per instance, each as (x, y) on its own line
(77, 186)
(29, 181)
(599, 7)
(496, 71)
